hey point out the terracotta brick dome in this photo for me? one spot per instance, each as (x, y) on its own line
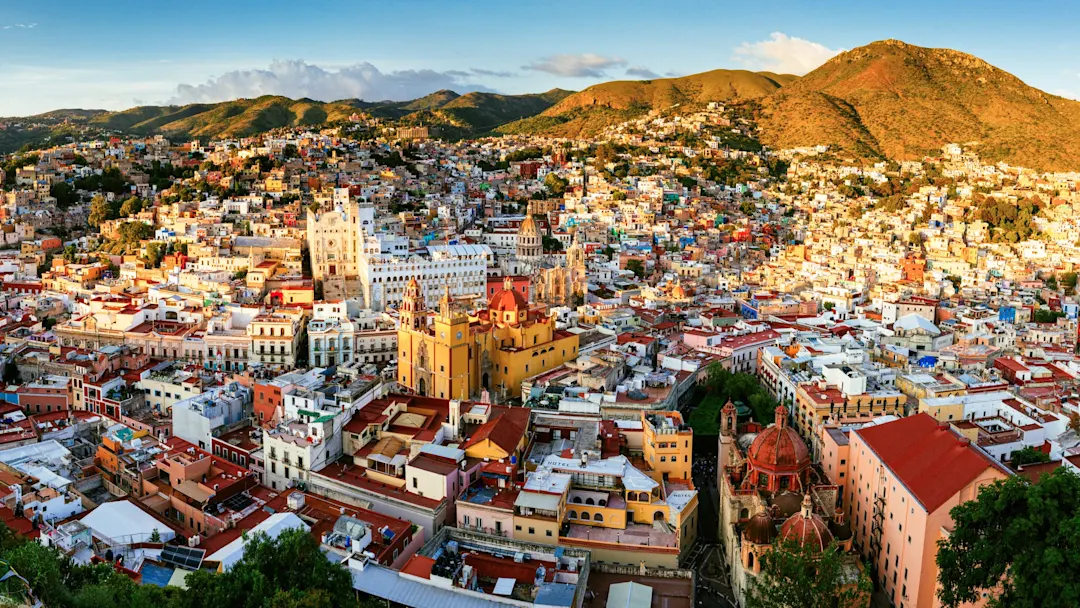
(779, 449)
(807, 528)
(760, 529)
(508, 299)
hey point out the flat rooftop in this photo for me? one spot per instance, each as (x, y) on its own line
(635, 534)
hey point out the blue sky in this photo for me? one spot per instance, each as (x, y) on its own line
(117, 54)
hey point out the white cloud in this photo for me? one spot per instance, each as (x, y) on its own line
(784, 54)
(18, 26)
(585, 65)
(296, 78)
(641, 72)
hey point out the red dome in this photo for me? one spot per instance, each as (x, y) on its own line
(779, 449)
(807, 528)
(760, 529)
(508, 299)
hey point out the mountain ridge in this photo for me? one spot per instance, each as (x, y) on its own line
(887, 99)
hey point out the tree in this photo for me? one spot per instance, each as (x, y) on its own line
(556, 185)
(11, 373)
(131, 206)
(618, 195)
(829, 305)
(1016, 543)
(1074, 422)
(608, 251)
(552, 244)
(1051, 283)
(1028, 455)
(132, 232)
(64, 194)
(795, 575)
(99, 211)
(291, 563)
(70, 252)
(637, 267)
(1068, 281)
(155, 254)
(155, 536)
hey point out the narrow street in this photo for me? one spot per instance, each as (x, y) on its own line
(707, 556)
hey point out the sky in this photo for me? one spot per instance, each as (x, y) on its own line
(116, 54)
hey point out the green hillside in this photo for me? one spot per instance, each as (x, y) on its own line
(602, 105)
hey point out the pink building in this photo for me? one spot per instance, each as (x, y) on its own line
(900, 480)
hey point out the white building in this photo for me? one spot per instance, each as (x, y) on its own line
(199, 419)
(309, 437)
(383, 278)
(342, 333)
(335, 237)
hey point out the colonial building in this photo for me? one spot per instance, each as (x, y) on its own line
(767, 496)
(457, 356)
(564, 285)
(335, 237)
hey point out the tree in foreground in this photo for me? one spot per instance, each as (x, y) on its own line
(1028, 455)
(800, 576)
(1017, 543)
(289, 570)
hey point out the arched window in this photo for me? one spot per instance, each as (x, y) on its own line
(744, 513)
(590, 501)
(576, 500)
(598, 517)
(584, 516)
(602, 502)
(572, 514)
(749, 561)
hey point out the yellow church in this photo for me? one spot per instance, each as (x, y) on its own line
(458, 355)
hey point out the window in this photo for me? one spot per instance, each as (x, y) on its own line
(518, 528)
(532, 530)
(548, 532)
(414, 485)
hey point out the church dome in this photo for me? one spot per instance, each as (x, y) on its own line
(779, 448)
(529, 227)
(807, 528)
(509, 300)
(760, 529)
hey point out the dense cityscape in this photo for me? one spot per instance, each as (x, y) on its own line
(380, 361)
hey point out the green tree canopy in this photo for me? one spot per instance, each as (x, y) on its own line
(1017, 543)
(100, 211)
(556, 185)
(131, 206)
(800, 576)
(1028, 455)
(637, 267)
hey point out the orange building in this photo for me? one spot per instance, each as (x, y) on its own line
(900, 479)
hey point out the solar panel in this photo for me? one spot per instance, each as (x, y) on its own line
(238, 502)
(188, 558)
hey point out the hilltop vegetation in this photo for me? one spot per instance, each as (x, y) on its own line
(891, 99)
(887, 99)
(586, 113)
(230, 119)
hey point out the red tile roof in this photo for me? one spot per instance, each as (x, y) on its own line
(418, 566)
(505, 429)
(931, 462)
